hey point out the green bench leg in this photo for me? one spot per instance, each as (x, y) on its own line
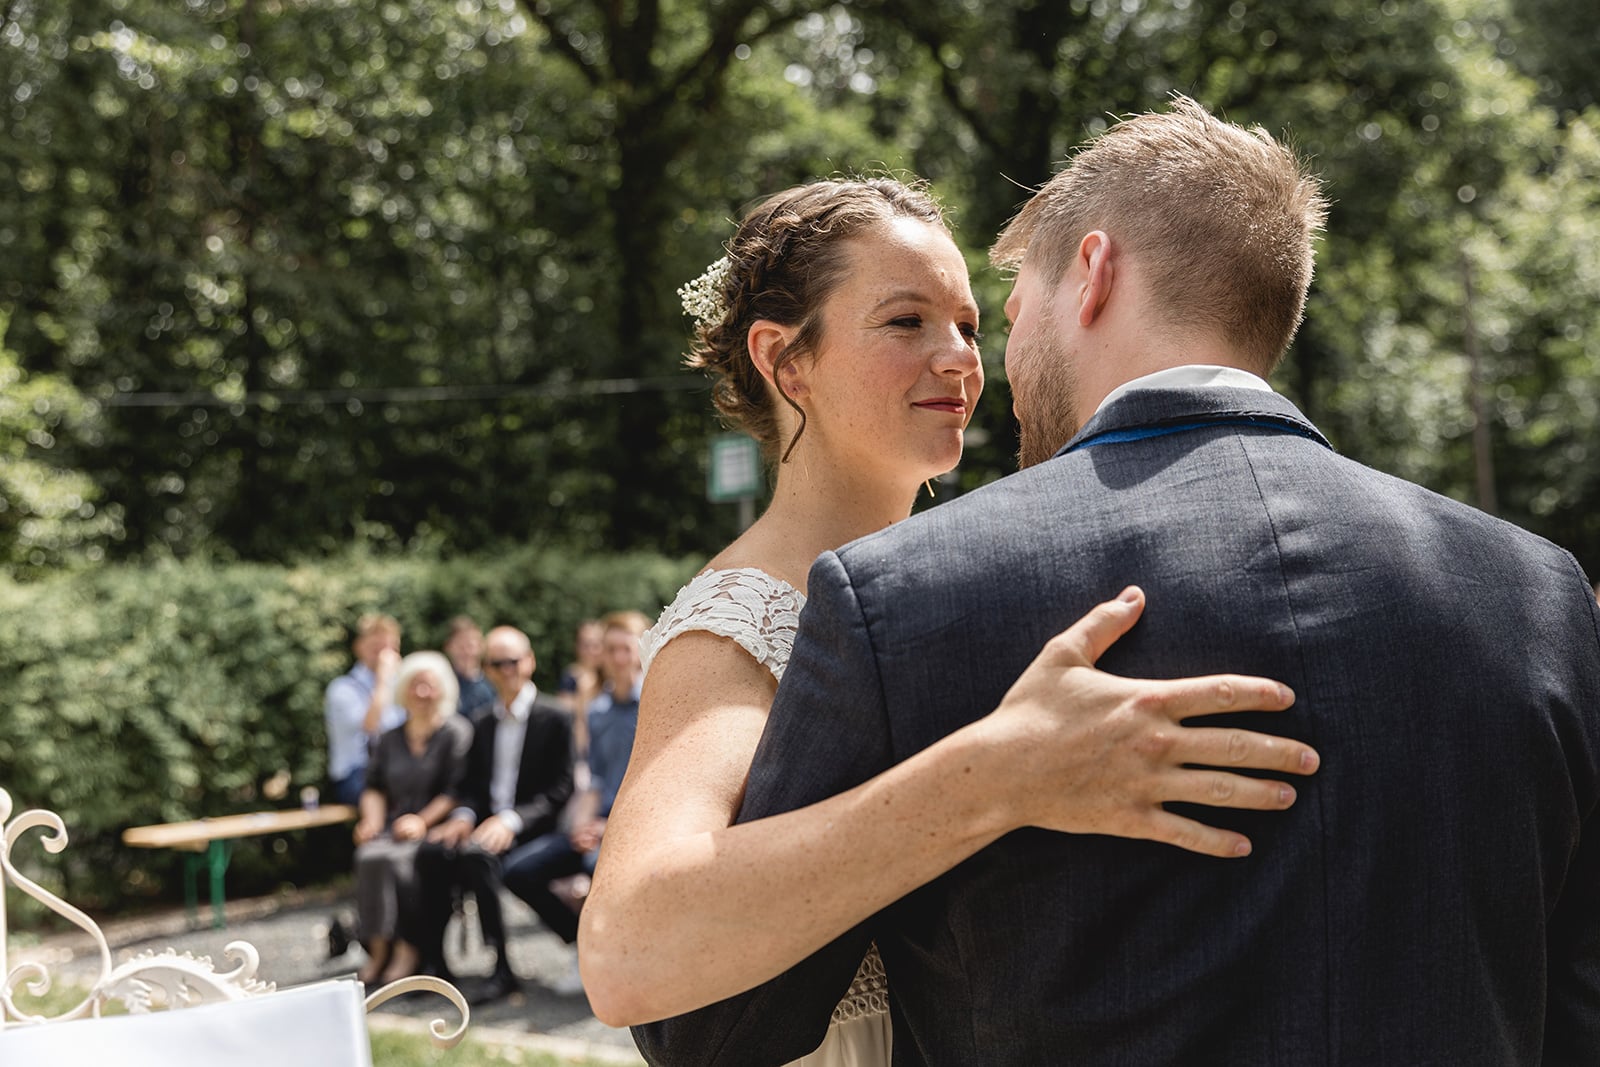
(215, 861)
(217, 856)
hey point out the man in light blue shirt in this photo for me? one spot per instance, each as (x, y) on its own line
(359, 705)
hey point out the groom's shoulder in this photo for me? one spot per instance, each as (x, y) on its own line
(995, 523)
(1453, 523)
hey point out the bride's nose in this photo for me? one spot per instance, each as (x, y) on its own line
(957, 355)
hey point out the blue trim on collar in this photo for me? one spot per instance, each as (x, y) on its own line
(1140, 433)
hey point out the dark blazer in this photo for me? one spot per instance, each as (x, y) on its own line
(544, 776)
(1432, 898)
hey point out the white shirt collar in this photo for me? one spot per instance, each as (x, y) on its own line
(1189, 377)
(520, 704)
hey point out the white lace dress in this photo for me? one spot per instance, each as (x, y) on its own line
(762, 613)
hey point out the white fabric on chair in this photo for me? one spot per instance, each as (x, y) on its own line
(319, 1025)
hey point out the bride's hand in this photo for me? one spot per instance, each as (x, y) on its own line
(1091, 752)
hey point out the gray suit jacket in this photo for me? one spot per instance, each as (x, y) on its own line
(1432, 898)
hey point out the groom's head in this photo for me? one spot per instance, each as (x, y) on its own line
(1172, 238)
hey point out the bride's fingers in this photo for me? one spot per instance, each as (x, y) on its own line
(1086, 640)
(1220, 789)
(1196, 836)
(1217, 693)
(1222, 747)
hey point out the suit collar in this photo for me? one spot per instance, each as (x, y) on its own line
(1175, 409)
(521, 705)
(1189, 376)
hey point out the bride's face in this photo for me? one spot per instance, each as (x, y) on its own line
(897, 374)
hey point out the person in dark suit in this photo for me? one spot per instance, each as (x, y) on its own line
(518, 779)
(1428, 900)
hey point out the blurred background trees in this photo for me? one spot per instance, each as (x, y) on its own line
(287, 275)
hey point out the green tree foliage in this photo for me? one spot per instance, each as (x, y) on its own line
(402, 271)
(1559, 40)
(48, 514)
(1544, 318)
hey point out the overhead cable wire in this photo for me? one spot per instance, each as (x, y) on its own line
(422, 394)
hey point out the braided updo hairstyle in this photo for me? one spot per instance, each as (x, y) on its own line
(784, 261)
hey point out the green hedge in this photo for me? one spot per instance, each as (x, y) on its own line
(174, 691)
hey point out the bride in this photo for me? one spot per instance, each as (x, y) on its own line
(843, 335)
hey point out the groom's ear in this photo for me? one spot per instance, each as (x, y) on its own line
(766, 342)
(1094, 276)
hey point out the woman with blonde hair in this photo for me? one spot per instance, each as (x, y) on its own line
(409, 779)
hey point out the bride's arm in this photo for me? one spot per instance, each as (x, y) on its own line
(686, 910)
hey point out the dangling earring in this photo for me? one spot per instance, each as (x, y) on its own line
(928, 485)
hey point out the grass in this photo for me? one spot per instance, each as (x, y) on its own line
(393, 1049)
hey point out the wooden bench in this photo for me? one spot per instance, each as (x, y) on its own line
(209, 843)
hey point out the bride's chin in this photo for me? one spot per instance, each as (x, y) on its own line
(933, 472)
(952, 458)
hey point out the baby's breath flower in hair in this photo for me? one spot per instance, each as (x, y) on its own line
(703, 298)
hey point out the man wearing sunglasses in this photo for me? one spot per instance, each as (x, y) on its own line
(517, 781)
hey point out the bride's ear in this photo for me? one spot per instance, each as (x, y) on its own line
(766, 342)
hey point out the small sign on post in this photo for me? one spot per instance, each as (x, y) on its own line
(734, 473)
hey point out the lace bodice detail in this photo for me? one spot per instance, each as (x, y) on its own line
(743, 604)
(868, 993)
(761, 613)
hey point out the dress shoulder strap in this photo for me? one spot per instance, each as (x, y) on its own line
(749, 606)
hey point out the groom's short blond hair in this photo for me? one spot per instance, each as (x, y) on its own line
(1221, 220)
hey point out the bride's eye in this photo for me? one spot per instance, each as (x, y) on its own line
(971, 332)
(909, 322)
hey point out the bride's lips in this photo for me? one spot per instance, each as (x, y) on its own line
(952, 404)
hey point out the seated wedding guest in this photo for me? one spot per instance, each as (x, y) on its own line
(359, 705)
(517, 781)
(413, 769)
(612, 718)
(464, 646)
(580, 682)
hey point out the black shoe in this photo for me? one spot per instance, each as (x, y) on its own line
(338, 939)
(497, 986)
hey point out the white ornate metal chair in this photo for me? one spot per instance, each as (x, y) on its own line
(229, 1017)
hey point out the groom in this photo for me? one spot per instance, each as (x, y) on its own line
(1434, 895)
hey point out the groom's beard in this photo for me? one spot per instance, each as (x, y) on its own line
(1044, 394)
